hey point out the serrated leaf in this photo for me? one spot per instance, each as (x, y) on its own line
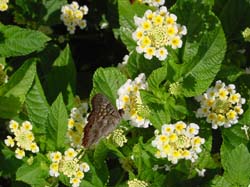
(204, 48)
(57, 124)
(12, 94)
(232, 137)
(37, 107)
(16, 41)
(236, 164)
(53, 11)
(158, 114)
(220, 181)
(138, 64)
(107, 81)
(62, 77)
(157, 77)
(21, 81)
(245, 119)
(126, 20)
(9, 106)
(34, 174)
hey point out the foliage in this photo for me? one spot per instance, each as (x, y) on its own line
(47, 67)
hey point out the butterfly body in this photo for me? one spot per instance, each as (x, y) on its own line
(102, 120)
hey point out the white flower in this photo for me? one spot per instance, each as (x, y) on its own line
(72, 16)
(84, 167)
(201, 172)
(70, 154)
(155, 31)
(9, 141)
(178, 141)
(221, 105)
(19, 153)
(130, 101)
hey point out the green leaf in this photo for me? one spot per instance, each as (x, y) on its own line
(204, 48)
(126, 20)
(9, 163)
(138, 64)
(94, 179)
(16, 41)
(158, 114)
(21, 81)
(232, 137)
(220, 181)
(34, 174)
(37, 107)
(12, 94)
(62, 77)
(57, 124)
(230, 12)
(107, 81)
(53, 11)
(245, 119)
(205, 159)
(9, 106)
(237, 166)
(156, 78)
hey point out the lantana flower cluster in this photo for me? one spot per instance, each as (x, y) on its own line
(118, 137)
(178, 141)
(23, 139)
(77, 122)
(69, 165)
(129, 100)
(72, 16)
(154, 3)
(157, 30)
(4, 5)
(137, 183)
(221, 105)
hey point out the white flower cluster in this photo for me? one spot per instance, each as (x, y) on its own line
(154, 3)
(157, 30)
(4, 5)
(77, 122)
(72, 16)
(137, 183)
(221, 105)
(130, 100)
(24, 138)
(69, 165)
(178, 141)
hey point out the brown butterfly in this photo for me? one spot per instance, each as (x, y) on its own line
(102, 120)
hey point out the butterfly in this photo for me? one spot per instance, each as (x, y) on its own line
(102, 120)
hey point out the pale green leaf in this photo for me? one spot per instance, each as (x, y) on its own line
(37, 107)
(108, 81)
(16, 41)
(57, 124)
(236, 164)
(62, 77)
(34, 174)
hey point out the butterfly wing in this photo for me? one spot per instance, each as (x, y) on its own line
(102, 120)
